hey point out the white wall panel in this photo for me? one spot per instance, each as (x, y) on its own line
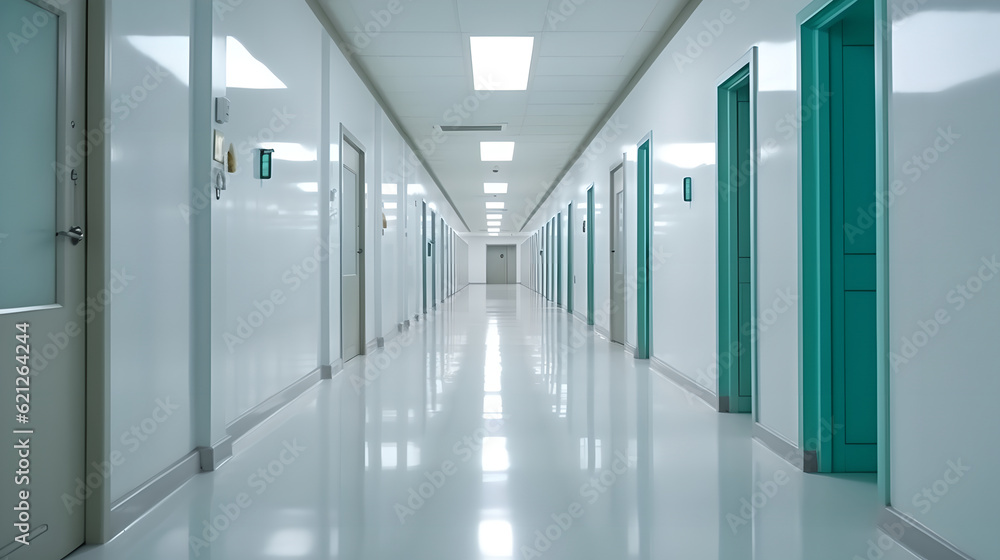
(148, 183)
(944, 312)
(266, 232)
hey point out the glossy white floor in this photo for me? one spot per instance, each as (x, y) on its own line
(503, 428)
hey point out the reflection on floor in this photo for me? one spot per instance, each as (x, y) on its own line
(503, 428)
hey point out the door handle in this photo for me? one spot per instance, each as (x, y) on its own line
(361, 251)
(75, 234)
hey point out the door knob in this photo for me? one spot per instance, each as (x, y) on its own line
(75, 234)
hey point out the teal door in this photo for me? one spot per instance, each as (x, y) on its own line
(854, 364)
(589, 226)
(642, 253)
(838, 258)
(736, 350)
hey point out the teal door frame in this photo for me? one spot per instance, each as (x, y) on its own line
(729, 344)
(570, 276)
(589, 226)
(643, 211)
(815, 377)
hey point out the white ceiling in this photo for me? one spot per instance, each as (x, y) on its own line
(585, 53)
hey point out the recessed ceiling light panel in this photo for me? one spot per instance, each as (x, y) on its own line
(501, 63)
(495, 188)
(496, 151)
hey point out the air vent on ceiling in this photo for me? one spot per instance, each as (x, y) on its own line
(473, 128)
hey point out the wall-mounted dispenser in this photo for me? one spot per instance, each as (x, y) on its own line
(687, 189)
(262, 163)
(221, 110)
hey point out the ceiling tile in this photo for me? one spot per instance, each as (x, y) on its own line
(423, 16)
(418, 67)
(584, 83)
(407, 44)
(585, 43)
(574, 97)
(403, 84)
(506, 17)
(557, 120)
(590, 110)
(612, 15)
(580, 66)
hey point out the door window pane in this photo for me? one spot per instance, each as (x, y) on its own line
(28, 92)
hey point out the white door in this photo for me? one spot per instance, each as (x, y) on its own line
(352, 257)
(43, 311)
(618, 259)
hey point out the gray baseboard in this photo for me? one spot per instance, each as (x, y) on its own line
(211, 458)
(917, 538)
(805, 461)
(327, 372)
(253, 417)
(710, 398)
(130, 507)
(602, 331)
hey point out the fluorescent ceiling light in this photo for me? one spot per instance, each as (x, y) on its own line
(494, 224)
(245, 71)
(389, 205)
(308, 187)
(494, 216)
(495, 188)
(497, 151)
(493, 230)
(501, 63)
(494, 235)
(390, 188)
(494, 205)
